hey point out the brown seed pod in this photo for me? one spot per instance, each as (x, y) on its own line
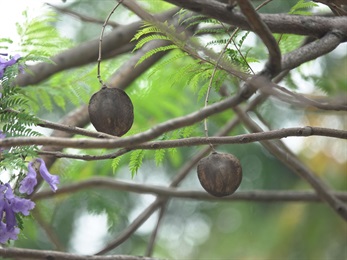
(220, 174)
(111, 111)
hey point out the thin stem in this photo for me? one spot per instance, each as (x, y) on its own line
(216, 66)
(100, 40)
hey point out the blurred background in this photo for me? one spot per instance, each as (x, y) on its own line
(85, 221)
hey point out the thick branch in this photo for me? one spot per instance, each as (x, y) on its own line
(261, 29)
(85, 53)
(315, 26)
(312, 50)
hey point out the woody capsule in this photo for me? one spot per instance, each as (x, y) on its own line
(111, 111)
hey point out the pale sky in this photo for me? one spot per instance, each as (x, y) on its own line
(11, 13)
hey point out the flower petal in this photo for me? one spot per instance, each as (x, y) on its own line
(29, 182)
(52, 180)
(22, 205)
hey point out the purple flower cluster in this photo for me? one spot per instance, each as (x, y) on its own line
(6, 63)
(10, 204)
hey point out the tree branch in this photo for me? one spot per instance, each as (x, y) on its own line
(260, 28)
(268, 87)
(171, 192)
(82, 17)
(134, 142)
(24, 253)
(300, 169)
(315, 26)
(84, 53)
(312, 50)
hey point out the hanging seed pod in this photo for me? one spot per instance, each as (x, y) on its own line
(111, 111)
(220, 174)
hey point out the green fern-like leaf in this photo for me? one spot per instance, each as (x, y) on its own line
(156, 50)
(39, 38)
(136, 159)
(209, 30)
(115, 163)
(172, 59)
(146, 29)
(217, 42)
(159, 156)
(302, 7)
(149, 38)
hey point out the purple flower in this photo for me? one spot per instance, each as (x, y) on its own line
(52, 180)
(6, 63)
(10, 205)
(22, 205)
(29, 182)
(5, 234)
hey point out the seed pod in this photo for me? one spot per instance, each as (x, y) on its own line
(220, 174)
(111, 111)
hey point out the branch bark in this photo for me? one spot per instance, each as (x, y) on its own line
(289, 159)
(260, 28)
(134, 142)
(23, 253)
(84, 53)
(315, 26)
(172, 192)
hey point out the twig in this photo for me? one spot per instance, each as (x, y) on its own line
(66, 128)
(132, 227)
(324, 104)
(100, 41)
(47, 229)
(261, 29)
(133, 142)
(172, 192)
(216, 65)
(82, 17)
(211, 79)
(24, 253)
(154, 234)
(293, 163)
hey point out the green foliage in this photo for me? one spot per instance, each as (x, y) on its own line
(289, 42)
(302, 7)
(16, 120)
(39, 39)
(68, 87)
(136, 159)
(154, 51)
(159, 156)
(115, 163)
